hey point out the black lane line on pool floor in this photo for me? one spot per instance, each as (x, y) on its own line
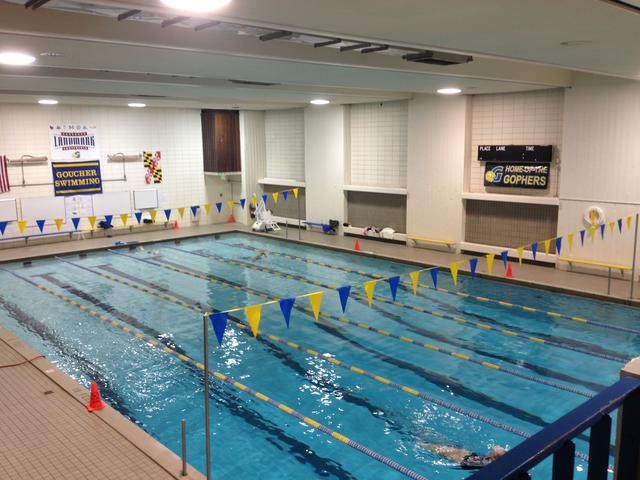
(302, 452)
(447, 340)
(287, 360)
(86, 366)
(461, 294)
(442, 381)
(490, 324)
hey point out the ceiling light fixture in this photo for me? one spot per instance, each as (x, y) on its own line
(449, 91)
(16, 58)
(48, 101)
(196, 6)
(137, 105)
(320, 101)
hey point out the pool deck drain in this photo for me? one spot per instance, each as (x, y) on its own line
(46, 432)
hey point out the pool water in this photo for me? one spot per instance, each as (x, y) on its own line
(250, 438)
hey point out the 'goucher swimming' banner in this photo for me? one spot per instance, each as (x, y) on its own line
(76, 178)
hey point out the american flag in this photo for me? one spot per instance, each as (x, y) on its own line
(4, 175)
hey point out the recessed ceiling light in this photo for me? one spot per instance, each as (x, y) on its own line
(199, 6)
(320, 101)
(575, 43)
(16, 58)
(48, 101)
(137, 105)
(449, 91)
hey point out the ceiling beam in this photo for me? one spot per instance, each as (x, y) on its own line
(327, 43)
(130, 13)
(355, 46)
(274, 35)
(173, 21)
(202, 26)
(379, 48)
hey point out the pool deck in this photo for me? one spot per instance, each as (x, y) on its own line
(47, 433)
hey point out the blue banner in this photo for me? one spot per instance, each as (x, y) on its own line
(76, 178)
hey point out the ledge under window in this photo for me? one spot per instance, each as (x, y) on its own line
(282, 182)
(387, 190)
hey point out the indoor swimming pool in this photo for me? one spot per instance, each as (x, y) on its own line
(475, 365)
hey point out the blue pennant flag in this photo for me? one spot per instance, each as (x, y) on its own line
(219, 322)
(285, 194)
(40, 224)
(108, 219)
(434, 277)
(344, 296)
(473, 264)
(505, 257)
(558, 245)
(620, 225)
(602, 230)
(167, 213)
(3, 227)
(286, 305)
(393, 285)
(138, 217)
(76, 222)
(582, 232)
(194, 210)
(534, 249)
(242, 202)
(219, 206)
(264, 199)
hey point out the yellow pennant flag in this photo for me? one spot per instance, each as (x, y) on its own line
(152, 214)
(231, 204)
(570, 239)
(254, 314)
(92, 221)
(124, 217)
(369, 287)
(547, 246)
(415, 278)
(207, 208)
(612, 225)
(295, 192)
(490, 258)
(181, 212)
(454, 272)
(629, 222)
(520, 252)
(254, 200)
(275, 197)
(58, 222)
(315, 299)
(592, 232)
(22, 224)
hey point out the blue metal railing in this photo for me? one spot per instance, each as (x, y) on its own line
(557, 440)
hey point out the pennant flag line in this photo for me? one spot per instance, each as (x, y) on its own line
(194, 210)
(219, 322)
(315, 299)
(254, 201)
(58, 222)
(369, 287)
(295, 192)
(243, 201)
(534, 249)
(570, 239)
(40, 224)
(124, 217)
(264, 199)
(285, 194)
(520, 251)
(602, 231)
(454, 272)
(231, 204)
(286, 305)
(181, 212)
(629, 222)
(254, 316)
(612, 225)
(490, 257)
(22, 224)
(219, 206)
(558, 245)
(505, 257)
(153, 214)
(275, 197)
(582, 232)
(620, 225)
(3, 227)
(415, 279)
(393, 285)
(207, 208)
(547, 246)
(434, 277)
(473, 264)
(167, 213)
(344, 292)
(76, 222)
(107, 220)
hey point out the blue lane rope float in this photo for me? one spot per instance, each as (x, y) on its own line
(478, 325)
(385, 333)
(190, 304)
(220, 376)
(478, 298)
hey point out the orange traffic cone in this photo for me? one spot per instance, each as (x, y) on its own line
(176, 225)
(356, 247)
(95, 402)
(509, 273)
(232, 219)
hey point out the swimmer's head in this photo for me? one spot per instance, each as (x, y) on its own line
(496, 452)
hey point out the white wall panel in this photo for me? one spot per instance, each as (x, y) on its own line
(284, 131)
(253, 152)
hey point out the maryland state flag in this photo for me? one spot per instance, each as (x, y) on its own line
(152, 164)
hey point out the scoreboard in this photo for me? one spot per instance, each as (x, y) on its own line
(515, 153)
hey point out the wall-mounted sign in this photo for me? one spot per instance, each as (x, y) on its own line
(73, 142)
(518, 175)
(76, 178)
(515, 153)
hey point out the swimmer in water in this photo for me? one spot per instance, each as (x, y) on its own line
(464, 458)
(259, 256)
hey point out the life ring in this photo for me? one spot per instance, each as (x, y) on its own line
(594, 216)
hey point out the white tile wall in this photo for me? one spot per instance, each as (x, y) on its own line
(177, 133)
(518, 119)
(284, 132)
(379, 144)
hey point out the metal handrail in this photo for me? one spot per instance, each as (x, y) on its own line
(556, 439)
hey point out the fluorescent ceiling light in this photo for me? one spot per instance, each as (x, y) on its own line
(197, 6)
(449, 91)
(137, 105)
(16, 58)
(320, 101)
(48, 101)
